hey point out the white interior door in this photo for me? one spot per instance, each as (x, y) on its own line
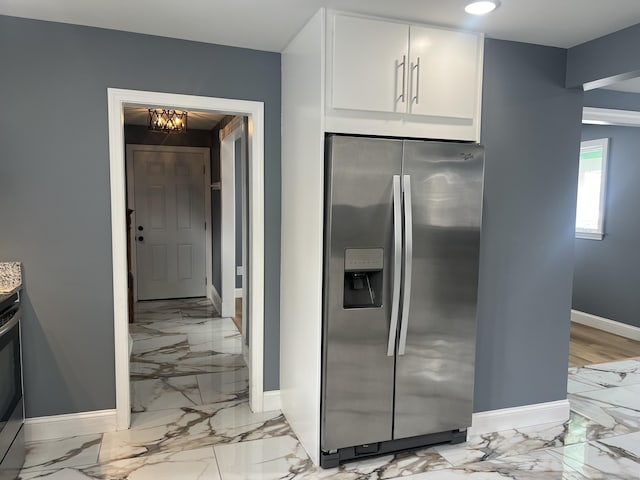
(170, 224)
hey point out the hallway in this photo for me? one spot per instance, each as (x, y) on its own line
(185, 355)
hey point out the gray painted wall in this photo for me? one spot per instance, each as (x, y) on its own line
(531, 132)
(612, 99)
(605, 60)
(607, 272)
(55, 191)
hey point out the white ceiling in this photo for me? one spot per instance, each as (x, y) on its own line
(195, 120)
(270, 24)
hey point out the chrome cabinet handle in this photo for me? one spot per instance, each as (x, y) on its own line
(397, 265)
(416, 67)
(404, 78)
(408, 257)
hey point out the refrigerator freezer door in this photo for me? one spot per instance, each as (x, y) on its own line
(434, 376)
(357, 374)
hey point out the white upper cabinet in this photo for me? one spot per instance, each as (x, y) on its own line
(444, 72)
(369, 64)
(385, 77)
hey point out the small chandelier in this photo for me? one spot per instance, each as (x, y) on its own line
(167, 120)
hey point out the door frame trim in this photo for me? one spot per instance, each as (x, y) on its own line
(117, 99)
(228, 219)
(206, 153)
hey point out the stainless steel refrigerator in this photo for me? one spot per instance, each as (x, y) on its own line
(402, 239)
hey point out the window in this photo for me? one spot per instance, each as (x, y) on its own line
(592, 179)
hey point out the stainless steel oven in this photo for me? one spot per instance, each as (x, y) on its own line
(11, 402)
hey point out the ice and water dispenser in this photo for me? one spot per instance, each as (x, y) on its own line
(363, 277)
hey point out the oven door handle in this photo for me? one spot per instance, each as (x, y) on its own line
(6, 328)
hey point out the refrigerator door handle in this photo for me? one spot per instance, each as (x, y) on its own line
(408, 258)
(397, 265)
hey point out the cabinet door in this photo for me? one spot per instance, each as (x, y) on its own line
(367, 66)
(444, 72)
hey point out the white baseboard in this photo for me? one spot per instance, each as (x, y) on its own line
(519, 417)
(611, 326)
(238, 292)
(271, 401)
(70, 425)
(216, 299)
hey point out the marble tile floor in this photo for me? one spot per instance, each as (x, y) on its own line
(219, 438)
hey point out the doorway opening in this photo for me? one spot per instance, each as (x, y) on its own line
(604, 327)
(152, 257)
(604, 348)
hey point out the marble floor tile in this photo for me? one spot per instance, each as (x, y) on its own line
(535, 466)
(240, 424)
(498, 444)
(390, 466)
(220, 329)
(581, 429)
(597, 461)
(155, 343)
(186, 326)
(628, 445)
(577, 386)
(225, 386)
(199, 464)
(625, 397)
(606, 375)
(269, 459)
(55, 474)
(67, 452)
(200, 311)
(617, 408)
(228, 343)
(177, 362)
(189, 428)
(284, 457)
(164, 393)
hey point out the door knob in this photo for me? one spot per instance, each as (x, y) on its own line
(141, 238)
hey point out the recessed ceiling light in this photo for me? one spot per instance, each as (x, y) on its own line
(481, 8)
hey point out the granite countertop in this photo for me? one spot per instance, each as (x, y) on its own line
(10, 278)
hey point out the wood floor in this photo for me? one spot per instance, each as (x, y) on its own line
(589, 346)
(238, 318)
